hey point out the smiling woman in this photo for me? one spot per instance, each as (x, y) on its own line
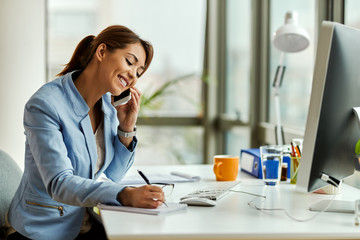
(74, 134)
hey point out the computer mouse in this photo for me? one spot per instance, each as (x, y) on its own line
(196, 201)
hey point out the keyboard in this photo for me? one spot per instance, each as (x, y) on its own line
(212, 190)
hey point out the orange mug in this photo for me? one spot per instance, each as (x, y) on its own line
(226, 167)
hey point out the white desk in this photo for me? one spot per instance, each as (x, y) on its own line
(232, 218)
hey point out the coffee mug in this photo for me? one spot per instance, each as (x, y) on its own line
(226, 167)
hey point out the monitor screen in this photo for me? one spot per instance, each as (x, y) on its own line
(332, 129)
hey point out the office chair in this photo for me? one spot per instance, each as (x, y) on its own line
(10, 176)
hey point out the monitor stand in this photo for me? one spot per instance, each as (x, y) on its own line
(339, 206)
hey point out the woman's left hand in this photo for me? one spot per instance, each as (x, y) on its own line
(128, 113)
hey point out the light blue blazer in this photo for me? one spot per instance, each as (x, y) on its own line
(60, 160)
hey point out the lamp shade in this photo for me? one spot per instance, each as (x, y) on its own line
(291, 37)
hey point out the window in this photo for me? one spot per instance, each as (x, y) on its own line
(169, 145)
(68, 22)
(177, 30)
(237, 86)
(352, 17)
(238, 59)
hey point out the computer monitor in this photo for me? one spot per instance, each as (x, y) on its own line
(332, 129)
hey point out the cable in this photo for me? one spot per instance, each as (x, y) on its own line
(253, 194)
(253, 205)
(333, 181)
(324, 177)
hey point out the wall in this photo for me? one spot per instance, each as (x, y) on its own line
(22, 67)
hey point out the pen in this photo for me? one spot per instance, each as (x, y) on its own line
(292, 149)
(147, 181)
(144, 177)
(297, 151)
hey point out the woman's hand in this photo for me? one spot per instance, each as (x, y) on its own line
(147, 196)
(128, 113)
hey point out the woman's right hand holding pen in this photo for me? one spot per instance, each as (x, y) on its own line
(147, 196)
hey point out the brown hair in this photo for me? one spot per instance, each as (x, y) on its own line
(115, 37)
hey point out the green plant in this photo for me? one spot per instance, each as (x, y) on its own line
(357, 148)
(156, 99)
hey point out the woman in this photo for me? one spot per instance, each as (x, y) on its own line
(74, 134)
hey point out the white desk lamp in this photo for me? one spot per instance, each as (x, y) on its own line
(289, 38)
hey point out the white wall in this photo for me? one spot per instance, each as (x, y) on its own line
(22, 67)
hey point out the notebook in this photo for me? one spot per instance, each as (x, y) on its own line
(171, 207)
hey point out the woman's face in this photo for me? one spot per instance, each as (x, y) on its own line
(121, 68)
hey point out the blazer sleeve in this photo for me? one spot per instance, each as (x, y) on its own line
(44, 136)
(123, 160)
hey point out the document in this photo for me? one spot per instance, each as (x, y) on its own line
(171, 207)
(173, 177)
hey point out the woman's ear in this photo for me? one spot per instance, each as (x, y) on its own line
(100, 52)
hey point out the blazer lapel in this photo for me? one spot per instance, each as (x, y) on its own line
(81, 109)
(90, 142)
(108, 138)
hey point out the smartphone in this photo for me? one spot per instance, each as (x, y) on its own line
(123, 98)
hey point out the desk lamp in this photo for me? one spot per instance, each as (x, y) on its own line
(289, 38)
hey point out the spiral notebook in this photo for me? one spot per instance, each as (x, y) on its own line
(171, 207)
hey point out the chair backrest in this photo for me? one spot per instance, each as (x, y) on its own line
(10, 176)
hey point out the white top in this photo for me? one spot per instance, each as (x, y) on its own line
(100, 147)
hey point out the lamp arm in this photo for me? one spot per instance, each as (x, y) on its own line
(278, 128)
(279, 75)
(280, 71)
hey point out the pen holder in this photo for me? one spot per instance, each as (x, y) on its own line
(294, 169)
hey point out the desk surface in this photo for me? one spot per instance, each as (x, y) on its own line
(232, 217)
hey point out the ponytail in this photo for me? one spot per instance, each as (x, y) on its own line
(115, 37)
(81, 56)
